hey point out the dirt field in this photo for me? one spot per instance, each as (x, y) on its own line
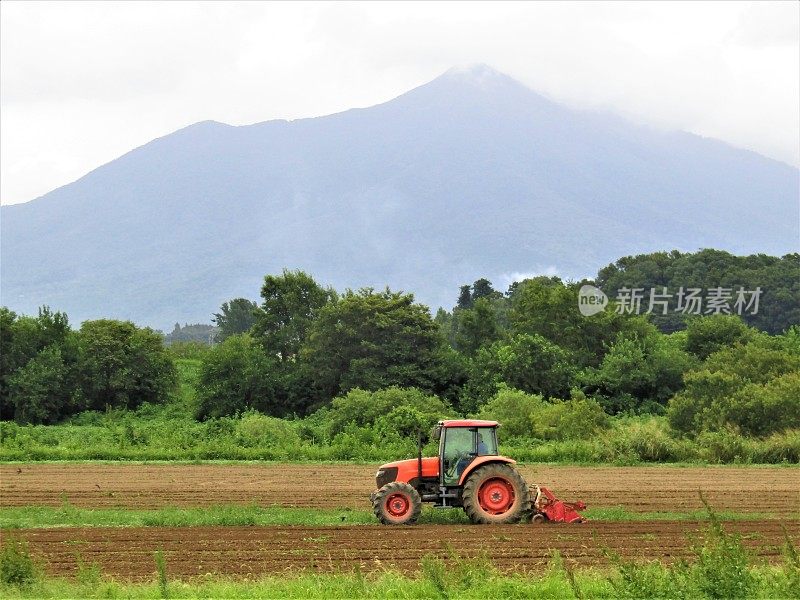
(770, 490)
(127, 553)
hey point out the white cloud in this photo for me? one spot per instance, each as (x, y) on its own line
(83, 83)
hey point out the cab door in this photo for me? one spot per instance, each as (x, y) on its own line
(457, 448)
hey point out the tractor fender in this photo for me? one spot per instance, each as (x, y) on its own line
(483, 460)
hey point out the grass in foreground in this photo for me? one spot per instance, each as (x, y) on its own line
(234, 515)
(721, 568)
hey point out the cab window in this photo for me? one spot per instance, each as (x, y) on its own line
(487, 441)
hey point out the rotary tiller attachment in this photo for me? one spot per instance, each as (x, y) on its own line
(546, 507)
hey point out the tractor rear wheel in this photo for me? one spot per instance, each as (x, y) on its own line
(397, 503)
(495, 494)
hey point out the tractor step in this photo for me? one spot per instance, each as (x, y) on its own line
(544, 506)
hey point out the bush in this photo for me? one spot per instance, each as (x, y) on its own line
(404, 408)
(754, 389)
(723, 446)
(514, 409)
(648, 441)
(16, 565)
(254, 429)
(709, 334)
(574, 419)
(529, 416)
(192, 350)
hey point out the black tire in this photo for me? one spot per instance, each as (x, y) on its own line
(495, 481)
(396, 503)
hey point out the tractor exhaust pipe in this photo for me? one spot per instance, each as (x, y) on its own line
(419, 455)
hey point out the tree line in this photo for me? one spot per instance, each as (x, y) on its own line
(304, 347)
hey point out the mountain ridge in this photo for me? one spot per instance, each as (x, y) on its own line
(469, 175)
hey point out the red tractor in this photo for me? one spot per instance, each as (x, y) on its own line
(468, 473)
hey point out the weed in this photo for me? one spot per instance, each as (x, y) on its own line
(161, 567)
(16, 565)
(87, 574)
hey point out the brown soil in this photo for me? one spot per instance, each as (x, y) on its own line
(769, 490)
(128, 553)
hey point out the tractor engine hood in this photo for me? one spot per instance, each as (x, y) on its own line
(406, 471)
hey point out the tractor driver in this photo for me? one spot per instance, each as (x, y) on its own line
(483, 450)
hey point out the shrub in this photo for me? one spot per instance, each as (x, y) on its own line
(254, 429)
(723, 446)
(529, 416)
(514, 409)
(754, 389)
(648, 441)
(403, 407)
(709, 334)
(192, 350)
(577, 418)
(16, 565)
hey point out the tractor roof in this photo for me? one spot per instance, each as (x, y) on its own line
(468, 423)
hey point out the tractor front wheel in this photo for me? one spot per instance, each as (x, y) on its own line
(397, 503)
(495, 494)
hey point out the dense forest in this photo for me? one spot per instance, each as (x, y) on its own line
(376, 360)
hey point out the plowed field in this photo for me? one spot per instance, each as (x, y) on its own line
(768, 490)
(127, 553)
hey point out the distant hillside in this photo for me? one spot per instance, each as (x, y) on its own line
(470, 175)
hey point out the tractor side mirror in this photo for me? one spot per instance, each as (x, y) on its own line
(436, 434)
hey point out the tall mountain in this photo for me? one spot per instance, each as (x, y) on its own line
(470, 175)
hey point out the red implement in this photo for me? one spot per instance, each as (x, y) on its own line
(546, 507)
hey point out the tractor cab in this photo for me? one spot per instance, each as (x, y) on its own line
(462, 443)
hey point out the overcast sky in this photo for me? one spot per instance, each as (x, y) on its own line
(83, 83)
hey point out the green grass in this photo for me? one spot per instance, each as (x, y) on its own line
(435, 581)
(386, 585)
(235, 515)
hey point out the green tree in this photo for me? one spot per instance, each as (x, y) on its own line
(526, 362)
(238, 375)
(123, 366)
(482, 288)
(464, 297)
(476, 326)
(22, 338)
(706, 335)
(640, 371)
(545, 306)
(371, 340)
(292, 301)
(778, 278)
(41, 390)
(236, 316)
